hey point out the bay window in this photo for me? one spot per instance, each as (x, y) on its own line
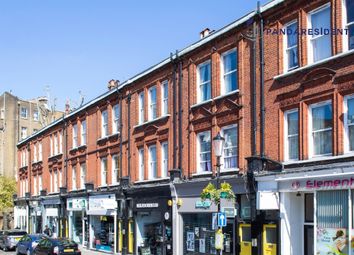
(321, 129)
(320, 46)
(291, 126)
(230, 153)
(204, 82)
(229, 71)
(204, 152)
(291, 60)
(152, 162)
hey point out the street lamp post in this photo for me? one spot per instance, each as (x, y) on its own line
(218, 146)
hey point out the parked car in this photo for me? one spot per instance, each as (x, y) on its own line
(28, 243)
(56, 246)
(10, 238)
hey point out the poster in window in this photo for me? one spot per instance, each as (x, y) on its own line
(190, 241)
(196, 231)
(202, 245)
(332, 241)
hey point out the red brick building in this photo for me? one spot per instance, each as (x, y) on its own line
(129, 166)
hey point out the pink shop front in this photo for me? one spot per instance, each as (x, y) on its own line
(317, 211)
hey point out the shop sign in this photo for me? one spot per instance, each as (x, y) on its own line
(315, 184)
(77, 204)
(147, 205)
(202, 204)
(230, 212)
(103, 202)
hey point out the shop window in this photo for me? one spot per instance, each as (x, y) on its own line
(230, 153)
(204, 152)
(245, 208)
(332, 222)
(204, 82)
(321, 129)
(320, 46)
(349, 123)
(348, 15)
(198, 234)
(229, 71)
(103, 231)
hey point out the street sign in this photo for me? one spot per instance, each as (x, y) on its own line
(230, 212)
(221, 219)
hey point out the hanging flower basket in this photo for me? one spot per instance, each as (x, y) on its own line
(208, 192)
(225, 192)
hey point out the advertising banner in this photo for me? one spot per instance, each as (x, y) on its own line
(332, 241)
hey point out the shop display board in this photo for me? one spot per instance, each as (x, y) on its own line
(332, 241)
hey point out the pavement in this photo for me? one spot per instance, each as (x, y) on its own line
(83, 252)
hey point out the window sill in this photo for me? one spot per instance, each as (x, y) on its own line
(234, 92)
(202, 174)
(53, 193)
(201, 103)
(36, 162)
(343, 54)
(229, 170)
(319, 158)
(152, 121)
(55, 156)
(152, 180)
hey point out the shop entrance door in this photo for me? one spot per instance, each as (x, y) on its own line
(245, 239)
(269, 239)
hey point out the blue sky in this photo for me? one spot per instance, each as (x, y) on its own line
(79, 45)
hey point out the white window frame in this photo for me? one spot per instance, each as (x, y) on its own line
(56, 147)
(237, 147)
(104, 169)
(56, 181)
(152, 105)
(115, 123)
(35, 185)
(115, 170)
(141, 108)
(51, 182)
(345, 25)
(310, 51)
(83, 171)
(60, 177)
(51, 145)
(104, 123)
(346, 125)
(286, 136)
(286, 48)
(199, 85)
(152, 163)
(60, 142)
(199, 152)
(141, 174)
(164, 160)
(83, 132)
(35, 158)
(75, 136)
(25, 112)
(36, 115)
(73, 178)
(40, 184)
(40, 151)
(310, 133)
(223, 74)
(24, 132)
(164, 100)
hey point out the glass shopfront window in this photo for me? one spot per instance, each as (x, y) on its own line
(332, 222)
(103, 231)
(198, 234)
(76, 226)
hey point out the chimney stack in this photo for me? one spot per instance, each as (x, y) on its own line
(67, 107)
(204, 33)
(112, 84)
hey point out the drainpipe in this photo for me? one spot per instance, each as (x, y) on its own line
(180, 77)
(254, 94)
(261, 54)
(120, 134)
(174, 111)
(129, 151)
